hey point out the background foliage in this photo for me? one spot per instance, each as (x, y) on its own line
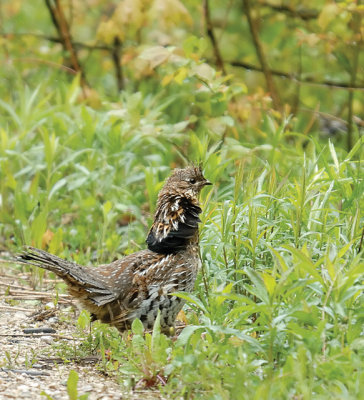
(99, 100)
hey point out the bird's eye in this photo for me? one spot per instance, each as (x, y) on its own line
(192, 180)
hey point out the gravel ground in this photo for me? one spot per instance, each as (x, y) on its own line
(24, 308)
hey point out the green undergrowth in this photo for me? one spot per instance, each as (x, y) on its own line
(278, 307)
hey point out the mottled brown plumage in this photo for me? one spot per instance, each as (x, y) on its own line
(139, 285)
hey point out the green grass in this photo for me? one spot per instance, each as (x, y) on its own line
(278, 306)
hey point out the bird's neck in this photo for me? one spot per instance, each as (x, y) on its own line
(175, 225)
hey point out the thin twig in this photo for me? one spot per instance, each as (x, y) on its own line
(261, 56)
(295, 78)
(12, 308)
(29, 298)
(55, 39)
(58, 360)
(46, 62)
(9, 285)
(28, 276)
(34, 292)
(211, 35)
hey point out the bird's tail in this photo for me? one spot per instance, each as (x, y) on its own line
(84, 283)
(64, 269)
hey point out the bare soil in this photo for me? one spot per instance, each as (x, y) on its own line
(28, 363)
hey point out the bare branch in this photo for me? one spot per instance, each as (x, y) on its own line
(261, 56)
(55, 39)
(46, 62)
(295, 78)
(211, 35)
(116, 56)
(60, 22)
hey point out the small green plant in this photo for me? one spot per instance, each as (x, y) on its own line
(72, 390)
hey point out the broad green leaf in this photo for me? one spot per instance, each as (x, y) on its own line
(107, 206)
(304, 262)
(156, 330)
(72, 385)
(137, 327)
(328, 13)
(156, 55)
(345, 249)
(204, 72)
(257, 288)
(355, 148)
(280, 260)
(58, 185)
(191, 299)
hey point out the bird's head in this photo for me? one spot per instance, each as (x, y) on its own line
(186, 182)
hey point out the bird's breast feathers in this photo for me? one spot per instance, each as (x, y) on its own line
(176, 223)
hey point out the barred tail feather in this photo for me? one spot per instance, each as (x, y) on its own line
(78, 277)
(42, 259)
(70, 272)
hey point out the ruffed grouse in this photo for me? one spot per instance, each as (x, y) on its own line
(140, 284)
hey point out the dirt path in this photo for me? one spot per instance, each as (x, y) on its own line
(27, 360)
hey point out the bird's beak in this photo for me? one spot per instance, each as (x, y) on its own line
(206, 183)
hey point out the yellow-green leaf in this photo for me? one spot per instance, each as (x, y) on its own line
(269, 282)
